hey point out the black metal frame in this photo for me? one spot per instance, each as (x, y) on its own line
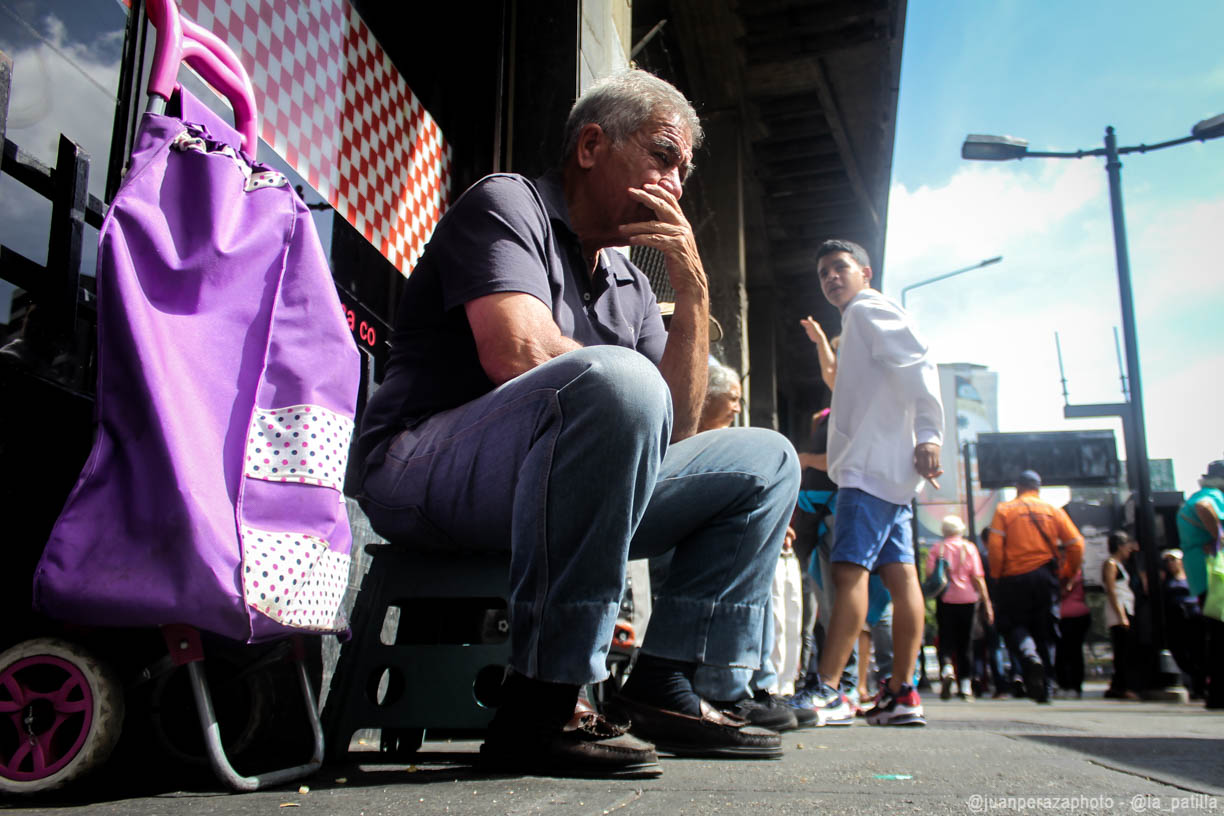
(58, 334)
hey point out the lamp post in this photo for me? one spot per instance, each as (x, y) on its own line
(1002, 148)
(977, 265)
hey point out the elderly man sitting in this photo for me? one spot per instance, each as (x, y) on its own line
(534, 401)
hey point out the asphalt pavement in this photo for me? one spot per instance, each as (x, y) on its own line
(985, 756)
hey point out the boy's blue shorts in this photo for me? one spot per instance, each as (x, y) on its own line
(871, 532)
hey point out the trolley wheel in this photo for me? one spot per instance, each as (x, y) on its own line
(61, 711)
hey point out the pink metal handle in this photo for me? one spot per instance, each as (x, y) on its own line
(180, 39)
(166, 55)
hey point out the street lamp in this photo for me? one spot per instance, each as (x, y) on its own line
(977, 265)
(981, 147)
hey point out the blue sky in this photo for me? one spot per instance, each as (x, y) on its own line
(1057, 74)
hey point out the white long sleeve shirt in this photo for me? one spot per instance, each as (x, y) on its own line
(885, 400)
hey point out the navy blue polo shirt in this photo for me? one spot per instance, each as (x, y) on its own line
(507, 233)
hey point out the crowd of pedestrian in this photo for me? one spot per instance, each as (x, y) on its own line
(1034, 645)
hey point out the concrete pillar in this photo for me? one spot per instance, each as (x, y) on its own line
(762, 370)
(543, 68)
(720, 238)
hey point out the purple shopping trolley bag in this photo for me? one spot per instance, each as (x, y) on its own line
(227, 380)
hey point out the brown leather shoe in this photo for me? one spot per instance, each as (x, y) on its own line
(713, 734)
(588, 745)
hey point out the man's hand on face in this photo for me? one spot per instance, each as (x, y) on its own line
(672, 235)
(926, 462)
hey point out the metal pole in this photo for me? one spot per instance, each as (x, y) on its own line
(1136, 458)
(972, 522)
(1062, 374)
(1121, 370)
(978, 265)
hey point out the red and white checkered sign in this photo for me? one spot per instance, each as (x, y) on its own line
(335, 108)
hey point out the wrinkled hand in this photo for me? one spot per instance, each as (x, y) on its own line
(814, 332)
(672, 235)
(926, 462)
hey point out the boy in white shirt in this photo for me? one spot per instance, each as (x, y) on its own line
(885, 432)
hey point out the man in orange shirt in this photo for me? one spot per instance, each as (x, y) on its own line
(1024, 551)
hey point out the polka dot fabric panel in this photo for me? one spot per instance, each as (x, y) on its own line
(294, 579)
(307, 444)
(257, 176)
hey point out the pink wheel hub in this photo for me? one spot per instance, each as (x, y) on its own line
(46, 710)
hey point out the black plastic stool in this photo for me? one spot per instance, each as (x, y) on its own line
(452, 643)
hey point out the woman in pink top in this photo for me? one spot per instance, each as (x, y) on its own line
(1075, 619)
(955, 606)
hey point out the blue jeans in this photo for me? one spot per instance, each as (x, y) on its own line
(568, 466)
(729, 683)
(882, 642)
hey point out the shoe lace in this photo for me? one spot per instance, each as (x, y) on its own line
(596, 726)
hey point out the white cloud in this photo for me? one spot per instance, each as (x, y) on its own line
(58, 87)
(983, 211)
(1183, 407)
(1177, 254)
(1050, 221)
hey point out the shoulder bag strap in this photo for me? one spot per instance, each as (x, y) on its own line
(1053, 550)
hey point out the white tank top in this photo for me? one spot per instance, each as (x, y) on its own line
(1122, 590)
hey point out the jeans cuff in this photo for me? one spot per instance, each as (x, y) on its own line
(570, 645)
(697, 630)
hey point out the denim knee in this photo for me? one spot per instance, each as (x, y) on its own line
(773, 450)
(618, 388)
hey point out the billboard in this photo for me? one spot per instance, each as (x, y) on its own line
(971, 407)
(1071, 458)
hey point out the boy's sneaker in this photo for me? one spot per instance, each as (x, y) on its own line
(763, 709)
(901, 708)
(830, 705)
(854, 701)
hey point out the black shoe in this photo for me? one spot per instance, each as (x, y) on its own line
(588, 746)
(1034, 681)
(763, 709)
(806, 717)
(712, 734)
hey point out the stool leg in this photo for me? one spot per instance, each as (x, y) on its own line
(338, 725)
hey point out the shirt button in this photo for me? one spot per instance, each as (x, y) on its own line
(586, 296)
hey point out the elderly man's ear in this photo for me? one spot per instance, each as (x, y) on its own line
(591, 139)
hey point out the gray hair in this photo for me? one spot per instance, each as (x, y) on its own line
(952, 526)
(623, 102)
(1212, 481)
(721, 378)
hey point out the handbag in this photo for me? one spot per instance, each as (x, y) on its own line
(227, 381)
(936, 583)
(1213, 606)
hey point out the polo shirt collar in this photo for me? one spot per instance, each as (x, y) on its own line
(552, 191)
